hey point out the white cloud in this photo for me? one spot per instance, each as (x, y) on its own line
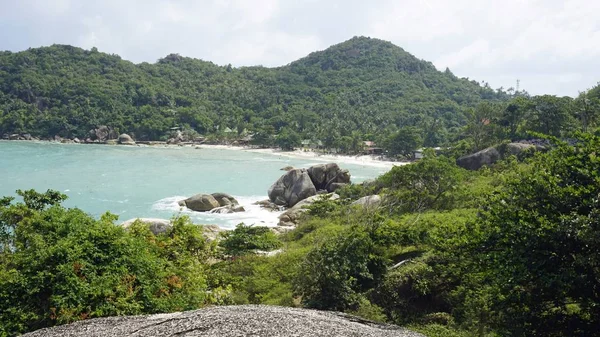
(553, 46)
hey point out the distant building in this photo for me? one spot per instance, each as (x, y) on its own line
(371, 148)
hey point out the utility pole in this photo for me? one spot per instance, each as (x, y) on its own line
(518, 83)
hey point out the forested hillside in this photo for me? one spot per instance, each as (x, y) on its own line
(361, 89)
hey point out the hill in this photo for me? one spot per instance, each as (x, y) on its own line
(362, 88)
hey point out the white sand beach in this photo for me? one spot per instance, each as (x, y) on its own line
(366, 160)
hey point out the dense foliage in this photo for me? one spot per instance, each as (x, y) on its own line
(361, 89)
(60, 265)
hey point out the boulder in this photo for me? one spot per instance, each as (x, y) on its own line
(290, 217)
(332, 187)
(225, 199)
(76, 140)
(156, 226)
(516, 149)
(287, 168)
(102, 133)
(369, 202)
(211, 232)
(228, 209)
(125, 139)
(201, 203)
(292, 187)
(479, 159)
(221, 321)
(324, 176)
(269, 205)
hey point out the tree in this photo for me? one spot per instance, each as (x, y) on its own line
(61, 265)
(287, 139)
(404, 142)
(550, 115)
(481, 125)
(539, 239)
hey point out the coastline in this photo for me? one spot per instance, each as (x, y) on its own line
(365, 160)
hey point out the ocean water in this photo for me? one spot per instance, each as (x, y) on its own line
(149, 181)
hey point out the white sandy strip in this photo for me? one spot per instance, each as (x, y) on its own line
(356, 160)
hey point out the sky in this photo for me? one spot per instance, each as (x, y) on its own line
(551, 46)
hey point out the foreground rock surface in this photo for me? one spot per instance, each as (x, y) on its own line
(247, 320)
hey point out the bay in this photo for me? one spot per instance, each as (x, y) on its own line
(147, 182)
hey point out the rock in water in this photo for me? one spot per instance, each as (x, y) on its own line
(225, 199)
(324, 176)
(245, 320)
(201, 203)
(292, 187)
(126, 139)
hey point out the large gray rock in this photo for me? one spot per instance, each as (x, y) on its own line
(200, 203)
(516, 149)
(369, 202)
(225, 321)
(102, 133)
(126, 139)
(156, 226)
(328, 176)
(290, 217)
(292, 187)
(225, 199)
(479, 159)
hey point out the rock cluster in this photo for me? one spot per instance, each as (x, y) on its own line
(215, 203)
(246, 320)
(299, 184)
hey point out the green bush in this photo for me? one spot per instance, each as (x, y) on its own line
(247, 239)
(60, 265)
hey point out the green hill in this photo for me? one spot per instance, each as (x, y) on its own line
(361, 88)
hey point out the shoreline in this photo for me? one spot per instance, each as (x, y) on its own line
(365, 160)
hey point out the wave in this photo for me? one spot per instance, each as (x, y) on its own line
(254, 214)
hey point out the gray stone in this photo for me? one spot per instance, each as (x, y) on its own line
(201, 203)
(156, 226)
(324, 176)
(125, 139)
(479, 159)
(290, 217)
(225, 199)
(225, 321)
(287, 168)
(369, 202)
(292, 187)
(212, 232)
(516, 149)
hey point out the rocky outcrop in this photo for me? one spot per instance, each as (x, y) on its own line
(212, 232)
(102, 133)
(491, 155)
(292, 215)
(479, 159)
(125, 139)
(225, 199)
(292, 187)
(287, 168)
(369, 202)
(200, 203)
(299, 184)
(156, 226)
(269, 205)
(328, 176)
(245, 320)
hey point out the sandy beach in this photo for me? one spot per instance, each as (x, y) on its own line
(365, 160)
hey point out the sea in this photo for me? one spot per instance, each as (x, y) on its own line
(147, 182)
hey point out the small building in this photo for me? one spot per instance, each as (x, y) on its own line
(369, 147)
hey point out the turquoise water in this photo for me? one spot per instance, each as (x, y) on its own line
(148, 181)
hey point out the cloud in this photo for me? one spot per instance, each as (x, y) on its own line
(552, 46)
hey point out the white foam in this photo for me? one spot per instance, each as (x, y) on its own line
(254, 214)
